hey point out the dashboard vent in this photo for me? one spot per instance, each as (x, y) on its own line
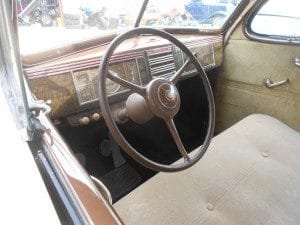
(162, 64)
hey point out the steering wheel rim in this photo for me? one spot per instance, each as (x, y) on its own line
(111, 124)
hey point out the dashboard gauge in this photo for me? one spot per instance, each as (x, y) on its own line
(111, 86)
(131, 71)
(86, 81)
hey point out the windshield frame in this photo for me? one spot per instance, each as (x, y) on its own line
(12, 79)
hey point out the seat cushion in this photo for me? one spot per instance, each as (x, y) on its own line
(249, 175)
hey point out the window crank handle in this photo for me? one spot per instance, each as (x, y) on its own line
(270, 84)
(297, 61)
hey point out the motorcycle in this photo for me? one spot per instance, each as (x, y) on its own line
(94, 18)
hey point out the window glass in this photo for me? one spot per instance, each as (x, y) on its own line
(203, 14)
(47, 24)
(278, 19)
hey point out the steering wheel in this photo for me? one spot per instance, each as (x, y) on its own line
(159, 97)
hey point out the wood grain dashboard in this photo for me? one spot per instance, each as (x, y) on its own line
(71, 82)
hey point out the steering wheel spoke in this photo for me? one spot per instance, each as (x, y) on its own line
(173, 130)
(133, 87)
(175, 78)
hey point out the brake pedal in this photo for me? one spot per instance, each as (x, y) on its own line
(116, 153)
(110, 147)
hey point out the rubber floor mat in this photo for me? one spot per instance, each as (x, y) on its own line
(121, 181)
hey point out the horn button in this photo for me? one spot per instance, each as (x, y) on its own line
(163, 98)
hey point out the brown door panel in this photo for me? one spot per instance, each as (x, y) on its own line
(241, 87)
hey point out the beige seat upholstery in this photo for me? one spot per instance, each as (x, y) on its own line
(250, 175)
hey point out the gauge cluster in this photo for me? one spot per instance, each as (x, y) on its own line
(139, 70)
(86, 81)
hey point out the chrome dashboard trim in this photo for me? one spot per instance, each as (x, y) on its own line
(138, 70)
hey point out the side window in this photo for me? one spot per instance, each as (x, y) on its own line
(277, 19)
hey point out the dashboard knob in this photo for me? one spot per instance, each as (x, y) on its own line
(96, 116)
(84, 121)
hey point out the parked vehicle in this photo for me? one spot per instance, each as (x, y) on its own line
(211, 12)
(95, 18)
(38, 11)
(172, 17)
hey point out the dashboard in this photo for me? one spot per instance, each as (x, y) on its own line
(71, 82)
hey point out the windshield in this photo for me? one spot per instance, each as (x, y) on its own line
(47, 24)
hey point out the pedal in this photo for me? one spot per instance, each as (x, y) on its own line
(116, 154)
(105, 149)
(110, 147)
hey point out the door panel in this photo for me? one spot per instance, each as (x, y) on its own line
(241, 90)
